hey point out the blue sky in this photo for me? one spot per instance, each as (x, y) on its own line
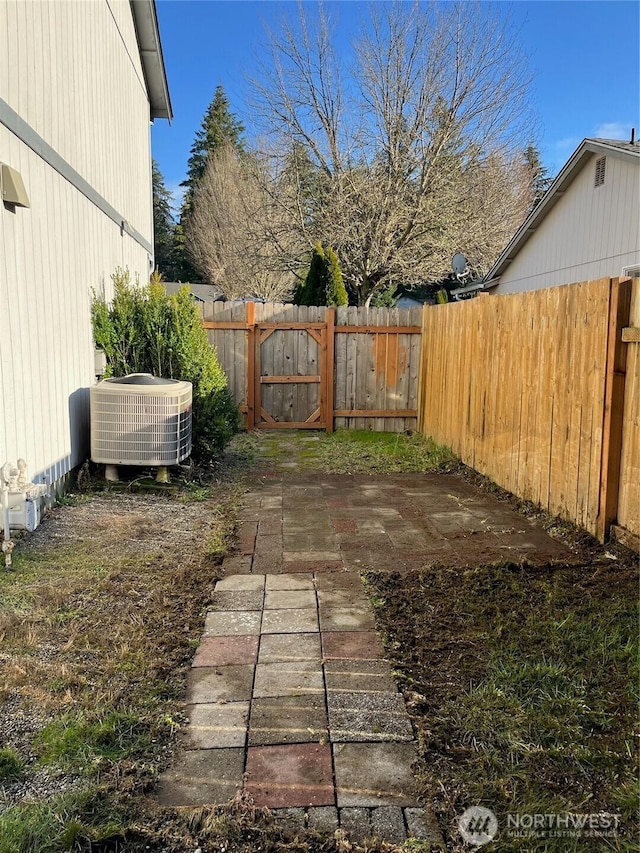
(583, 55)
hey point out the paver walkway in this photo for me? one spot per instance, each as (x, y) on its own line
(290, 698)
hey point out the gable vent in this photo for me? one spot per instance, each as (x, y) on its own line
(600, 167)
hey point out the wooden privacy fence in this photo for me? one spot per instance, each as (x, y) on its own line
(538, 391)
(298, 367)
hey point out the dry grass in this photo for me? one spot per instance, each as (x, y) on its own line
(98, 624)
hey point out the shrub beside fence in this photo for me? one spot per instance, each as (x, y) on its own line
(539, 392)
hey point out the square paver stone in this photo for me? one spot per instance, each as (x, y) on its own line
(270, 525)
(220, 684)
(291, 719)
(212, 726)
(224, 623)
(422, 823)
(267, 544)
(351, 645)
(203, 777)
(387, 824)
(290, 621)
(236, 564)
(356, 823)
(282, 648)
(241, 582)
(334, 618)
(287, 599)
(271, 502)
(374, 774)
(323, 820)
(223, 651)
(289, 582)
(268, 563)
(238, 599)
(351, 596)
(368, 717)
(290, 776)
(359, 675)
(343, 580)
(288, 679)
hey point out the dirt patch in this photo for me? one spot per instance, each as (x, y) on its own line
(520, 682)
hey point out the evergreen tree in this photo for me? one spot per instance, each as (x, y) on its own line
(540, 180)
(183, 268)
(313, 289)
(219, 125)
(163, 226)
(336, 293)
(323, 284)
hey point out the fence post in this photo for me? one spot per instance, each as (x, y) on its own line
(251, 365)
(331, 340)
(422, 374)
(616, 365)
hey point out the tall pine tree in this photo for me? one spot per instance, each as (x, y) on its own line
(540, 180)
(163, 226)
(219, 125)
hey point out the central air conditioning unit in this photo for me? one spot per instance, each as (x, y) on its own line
(140, 420)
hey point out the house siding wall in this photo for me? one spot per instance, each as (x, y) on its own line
(72, 72)
(591, 233)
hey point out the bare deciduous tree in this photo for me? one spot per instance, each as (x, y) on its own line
(417, 156)
(238, 235)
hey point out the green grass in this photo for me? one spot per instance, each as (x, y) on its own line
(73, 821)
(11, 765)
(342, 452)
(81, 742)
(365, 452)
(523, 685)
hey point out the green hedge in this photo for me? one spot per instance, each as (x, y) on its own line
(145, 331)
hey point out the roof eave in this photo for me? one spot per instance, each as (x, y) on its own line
(469, 288)
(150, 47)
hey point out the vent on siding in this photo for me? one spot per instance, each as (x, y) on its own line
(632, 272)
(600, 167)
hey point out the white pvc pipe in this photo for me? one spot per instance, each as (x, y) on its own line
(5, 513)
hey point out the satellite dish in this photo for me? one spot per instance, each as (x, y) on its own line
(459, 263)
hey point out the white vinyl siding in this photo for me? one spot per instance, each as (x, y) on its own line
(66, 70)
(74, 75)
(590, 233)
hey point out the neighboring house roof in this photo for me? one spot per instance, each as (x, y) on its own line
(146, 23)
(200, 292)
(613, 147)
(411, 302)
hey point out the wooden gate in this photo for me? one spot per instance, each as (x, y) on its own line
(305, 367)
(290, 379)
